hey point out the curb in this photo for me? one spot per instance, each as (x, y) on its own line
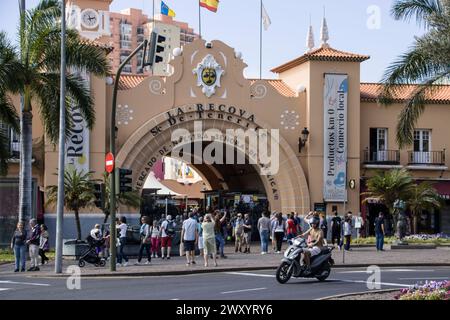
(357, 294)
(218, 270)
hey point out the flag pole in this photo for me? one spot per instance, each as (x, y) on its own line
(260, 40)
(153, 15)
(199, 20)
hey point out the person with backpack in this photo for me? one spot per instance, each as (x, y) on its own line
(336, 223)
(167, 234)
(146, 240)
(247, 233)
(155, 232)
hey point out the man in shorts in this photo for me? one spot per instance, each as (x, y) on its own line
(189, 236)
(167, 233)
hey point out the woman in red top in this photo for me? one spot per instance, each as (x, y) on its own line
(291, 228)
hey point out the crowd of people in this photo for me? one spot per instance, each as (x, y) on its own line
(200, 233)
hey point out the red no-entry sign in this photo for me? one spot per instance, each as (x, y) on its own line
(109, 162)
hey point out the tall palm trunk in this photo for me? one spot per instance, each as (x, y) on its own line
(25, 178)
(77, 221)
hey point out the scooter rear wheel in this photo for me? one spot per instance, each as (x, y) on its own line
(283, 273)
(325, 274)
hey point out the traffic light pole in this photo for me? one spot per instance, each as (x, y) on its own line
(112, 149)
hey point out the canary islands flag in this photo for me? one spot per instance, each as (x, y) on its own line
(165, 10)
(211, 5)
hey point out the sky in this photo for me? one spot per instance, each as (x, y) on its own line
(359, 26)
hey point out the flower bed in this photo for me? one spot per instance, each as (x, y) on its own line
(437, 239)
(431, 290)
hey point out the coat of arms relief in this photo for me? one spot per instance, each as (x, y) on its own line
(209, 73)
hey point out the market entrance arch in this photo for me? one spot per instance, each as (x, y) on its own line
(151, 109)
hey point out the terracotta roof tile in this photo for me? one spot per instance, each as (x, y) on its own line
(278, 85)
(321, 54)
(371, 91)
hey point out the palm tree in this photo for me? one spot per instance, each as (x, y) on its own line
(423, 197)
(388, 186)
(10, 71)
(130, 199)
(78, 193)
(39, 36)
(426, 63)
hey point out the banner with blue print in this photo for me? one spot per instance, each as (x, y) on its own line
(335, 138)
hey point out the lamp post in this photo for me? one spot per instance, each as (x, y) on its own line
(61, 147)
(112, 149)
(302, 140)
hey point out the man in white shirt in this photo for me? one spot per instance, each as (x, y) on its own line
(189, 236)
(122, 227)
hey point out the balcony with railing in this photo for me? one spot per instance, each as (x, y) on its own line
(426, 158)
(382, 157)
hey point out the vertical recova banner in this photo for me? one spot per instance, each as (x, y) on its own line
(77, 143)
(335, 138)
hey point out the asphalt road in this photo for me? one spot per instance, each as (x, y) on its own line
(257, 285)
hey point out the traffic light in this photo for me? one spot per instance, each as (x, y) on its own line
(99, 193)
(157, 47)
(123, 180)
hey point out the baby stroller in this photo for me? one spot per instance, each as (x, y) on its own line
(91, 255)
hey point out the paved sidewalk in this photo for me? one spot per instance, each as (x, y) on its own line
(358, 257)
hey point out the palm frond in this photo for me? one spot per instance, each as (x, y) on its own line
(8, 113)
(421, 10)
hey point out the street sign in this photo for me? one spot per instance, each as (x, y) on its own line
(109, 162)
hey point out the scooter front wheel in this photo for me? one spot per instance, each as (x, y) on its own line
(284, 272)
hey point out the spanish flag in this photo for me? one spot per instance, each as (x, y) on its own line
(211, 5)
(165, 10)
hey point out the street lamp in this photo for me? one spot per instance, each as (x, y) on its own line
(302, 140)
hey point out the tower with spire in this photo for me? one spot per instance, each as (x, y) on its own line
(310, 37)
(324, 35)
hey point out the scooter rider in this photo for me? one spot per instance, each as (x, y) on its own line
(315, 241)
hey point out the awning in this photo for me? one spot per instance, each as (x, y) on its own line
(153, 183)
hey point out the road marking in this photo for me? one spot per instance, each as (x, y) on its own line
(431, 278)
(403, 285)
(244, 290)
(388, 270)
(25, 283)
(251, 274)
(5, 289)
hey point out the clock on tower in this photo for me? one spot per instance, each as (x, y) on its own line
(90, 18)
